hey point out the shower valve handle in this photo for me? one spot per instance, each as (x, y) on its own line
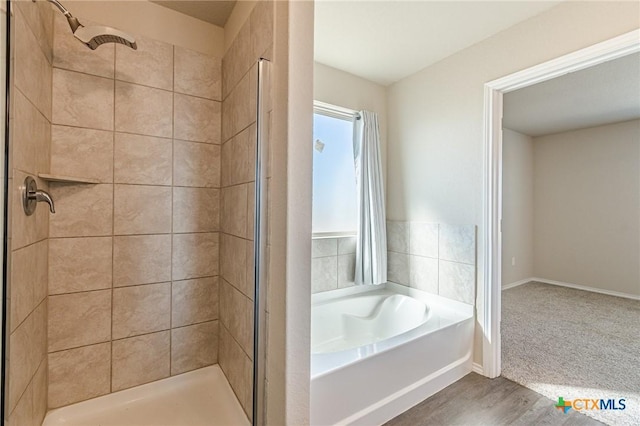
(31, 195)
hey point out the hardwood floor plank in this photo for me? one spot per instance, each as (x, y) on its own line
(477, 400)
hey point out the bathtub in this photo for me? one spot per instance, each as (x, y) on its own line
(378, 351)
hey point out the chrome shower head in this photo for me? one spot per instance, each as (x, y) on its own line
(95, 35)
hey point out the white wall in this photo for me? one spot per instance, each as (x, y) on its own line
(151, 20)
(435, 116)
(517, 206)
(587, 198)
(340, 88)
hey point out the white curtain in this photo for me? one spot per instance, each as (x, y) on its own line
(371, 249)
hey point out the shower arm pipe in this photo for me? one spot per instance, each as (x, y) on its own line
(73, 22)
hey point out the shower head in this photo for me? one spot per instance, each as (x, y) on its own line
(95, 35)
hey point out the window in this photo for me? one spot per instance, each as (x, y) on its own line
(335, 209)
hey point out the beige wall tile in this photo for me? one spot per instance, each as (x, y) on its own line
(81, 210)
(79, 374)
(324, 274)
(28, 281)
(458, 243)
(24, 228)
(194, 346)
(23, 280)
(234, 210)
(239, 158)
(423, 273)
(347, 245)
(423, 239)
(22, 414)
(236, 314)
(42, 271)
(194, 301)
(141, 309)
(31, 65)
(197, 74)
(237, 368)
(324, 247)
(237, 60)
(142, 209)
(251, 207)
(196, 164)
(398, 268)
(196, 119)
(249, 288)
(79, 319)
(239, 108)
(151, 64)
(457, 281)
(82, 100)
(71, 55)
(141, 259)
(83, 153)
(39, 19)
(79, 264)
(195, 255)
(140, 359)
(31, 131)
(39, 384)
(28, 343)
(196, 209)
(143, 110)
(143, 160)
(232, 261)
(261, 28)
(346, 270)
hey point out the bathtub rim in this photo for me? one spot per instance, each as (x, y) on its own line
(437, 305)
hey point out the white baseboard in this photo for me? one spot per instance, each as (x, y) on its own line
(570, 285)
(517, 283)
(585, 288)
(477, 368)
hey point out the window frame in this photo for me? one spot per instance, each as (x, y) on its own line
(341, 113)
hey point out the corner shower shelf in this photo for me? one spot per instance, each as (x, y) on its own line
(66, 179)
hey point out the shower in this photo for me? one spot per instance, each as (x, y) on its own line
(95, 35)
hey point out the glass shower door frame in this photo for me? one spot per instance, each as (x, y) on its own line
(260, 242)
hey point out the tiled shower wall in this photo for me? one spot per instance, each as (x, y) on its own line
(436, 258)
(133, 259)
(239, 88)
(32, 36)
(333, 263)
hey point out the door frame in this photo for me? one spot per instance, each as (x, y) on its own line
(491, 242)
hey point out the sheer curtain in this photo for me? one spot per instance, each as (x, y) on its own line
(371, 250)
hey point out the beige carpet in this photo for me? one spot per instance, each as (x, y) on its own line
(575, 344)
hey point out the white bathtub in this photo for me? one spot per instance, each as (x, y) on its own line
(377, 351)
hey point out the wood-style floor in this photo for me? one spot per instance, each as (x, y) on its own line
(477, 400)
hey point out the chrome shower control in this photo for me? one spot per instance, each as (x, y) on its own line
(31, 195)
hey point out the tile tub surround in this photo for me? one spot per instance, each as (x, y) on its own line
(237, 180)
(133, 261)
(333, 263)
(30, 138)
(432, 257)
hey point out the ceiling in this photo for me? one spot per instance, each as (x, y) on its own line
(603, 94)
(385, 41)
(215, 12)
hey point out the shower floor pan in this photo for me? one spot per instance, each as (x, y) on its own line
(199, 398)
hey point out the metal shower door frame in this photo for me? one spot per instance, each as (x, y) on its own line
(260, 241)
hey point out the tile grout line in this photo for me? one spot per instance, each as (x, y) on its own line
(164, 330)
